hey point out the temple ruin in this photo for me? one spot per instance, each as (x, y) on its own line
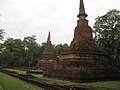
(47, 57)
(83, 61)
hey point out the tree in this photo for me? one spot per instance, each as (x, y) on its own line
(6, 58)
(26, 52)
(60, 48)
(2, 34)
(17, 53)
(107, 35)
(16, 49)
(32, 50)
(1, 38)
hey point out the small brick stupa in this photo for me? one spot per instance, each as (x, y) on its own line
(83, 61)
(47, 57)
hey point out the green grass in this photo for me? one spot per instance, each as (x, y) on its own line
(107, 84)
(23, 72)
(9, 83)
(18, 71)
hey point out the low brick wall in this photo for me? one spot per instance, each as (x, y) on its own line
(34, 72)
(83, 76)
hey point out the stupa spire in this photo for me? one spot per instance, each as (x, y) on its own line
(48, 39)
(82, 10)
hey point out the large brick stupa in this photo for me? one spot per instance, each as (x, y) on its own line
(83, 61)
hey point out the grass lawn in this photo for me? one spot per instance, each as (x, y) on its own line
(9, 83)
(107, 84)
(23, 72)
(18, 71)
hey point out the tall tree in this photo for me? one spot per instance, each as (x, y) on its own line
(6, 58)
(32, 50)
(16, 53)
(107, 35)
(1, 38)
(16, 49)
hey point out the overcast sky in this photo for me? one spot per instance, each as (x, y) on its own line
(21, 18)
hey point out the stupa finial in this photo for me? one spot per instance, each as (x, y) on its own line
(82, 10)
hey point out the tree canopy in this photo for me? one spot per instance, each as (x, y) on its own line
(107, 35)
(24, 53)
(17, 52)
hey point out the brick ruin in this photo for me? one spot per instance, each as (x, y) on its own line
(47, 57)
(83, 61)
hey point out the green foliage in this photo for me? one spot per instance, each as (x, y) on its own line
(10, 83)
(16, 53)
(107, 35)
(26, 52)
(2, 34)
(1, 39)
(58, 49)
(12, 52)
(6, 58)
(32, 50)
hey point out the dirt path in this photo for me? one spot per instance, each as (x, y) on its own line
(1, 88)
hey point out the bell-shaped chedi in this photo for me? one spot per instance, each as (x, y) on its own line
(83, 61)
(83, 45)
(47, 56)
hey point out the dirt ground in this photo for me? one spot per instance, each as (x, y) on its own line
(1, 88)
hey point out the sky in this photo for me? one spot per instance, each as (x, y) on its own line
(22, 18)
